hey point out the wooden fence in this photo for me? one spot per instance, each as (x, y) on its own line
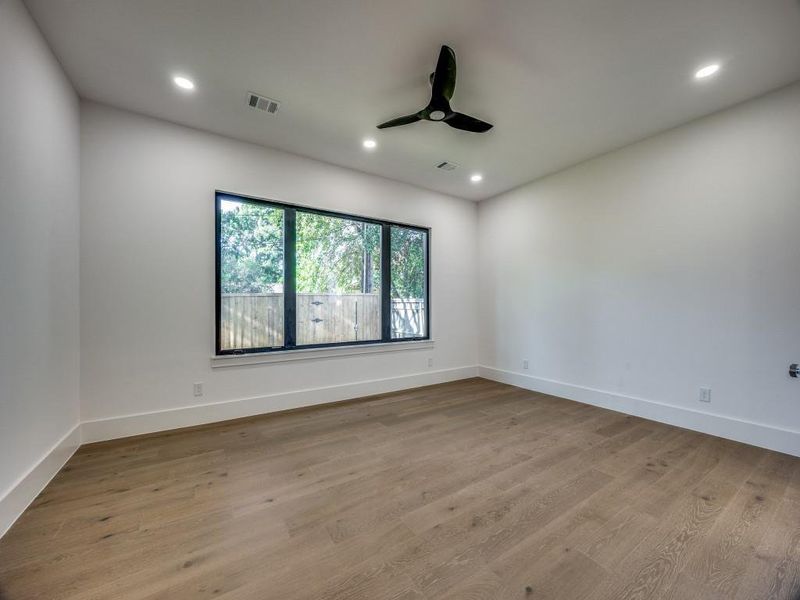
(251, 321)
(324, 319)
(256, 320)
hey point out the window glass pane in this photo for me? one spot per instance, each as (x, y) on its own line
(409, 263)
(251, 273)
(338, 280)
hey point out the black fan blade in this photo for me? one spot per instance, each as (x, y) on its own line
(401, 121)
(444, 78)
(467, 123)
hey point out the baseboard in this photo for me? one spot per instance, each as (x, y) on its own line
(151, 422)
(27, 487)
(749, 432)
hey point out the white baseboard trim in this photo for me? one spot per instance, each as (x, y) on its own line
(124, 426)
(27, 487)
(749, 432)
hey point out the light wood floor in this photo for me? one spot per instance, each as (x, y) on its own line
(461, 491)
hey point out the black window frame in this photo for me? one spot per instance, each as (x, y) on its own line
(289, 283)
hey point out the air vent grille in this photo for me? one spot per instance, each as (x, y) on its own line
(447, 166)
(268, 105)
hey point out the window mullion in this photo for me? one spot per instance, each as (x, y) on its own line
(218, 271)
(290, 278)
(386, 283)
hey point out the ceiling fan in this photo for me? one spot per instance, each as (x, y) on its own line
(443, 84)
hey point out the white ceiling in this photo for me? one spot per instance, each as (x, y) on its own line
(562, 80)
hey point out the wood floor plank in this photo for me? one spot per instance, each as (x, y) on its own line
(471, 490)
(719, 561)
(773, 571)
(663, 554)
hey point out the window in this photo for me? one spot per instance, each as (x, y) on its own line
(251, 250)
(293, 277)
(338, 280)
(409, 283)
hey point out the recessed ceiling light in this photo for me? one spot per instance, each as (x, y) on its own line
(183, 83)
(370, 144)
(476, 178)
(706, 71)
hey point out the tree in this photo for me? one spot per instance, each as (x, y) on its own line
(337, 256)
(251, 248)
(408, 263)
(334, 255)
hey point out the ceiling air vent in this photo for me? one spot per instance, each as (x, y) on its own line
(447, 166)
(268, 105)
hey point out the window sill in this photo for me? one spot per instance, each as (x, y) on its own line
(240, 360)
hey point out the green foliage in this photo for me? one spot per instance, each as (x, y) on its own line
(334, 255)
(337, 256)
(251, 244)
(408, 263)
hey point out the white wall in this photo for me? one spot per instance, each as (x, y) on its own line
(147, 275)
(39, 196)
(644, 274)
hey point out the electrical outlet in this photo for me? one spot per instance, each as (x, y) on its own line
(705, 395)
(525, 364)
(430, 362)
(198, 389)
